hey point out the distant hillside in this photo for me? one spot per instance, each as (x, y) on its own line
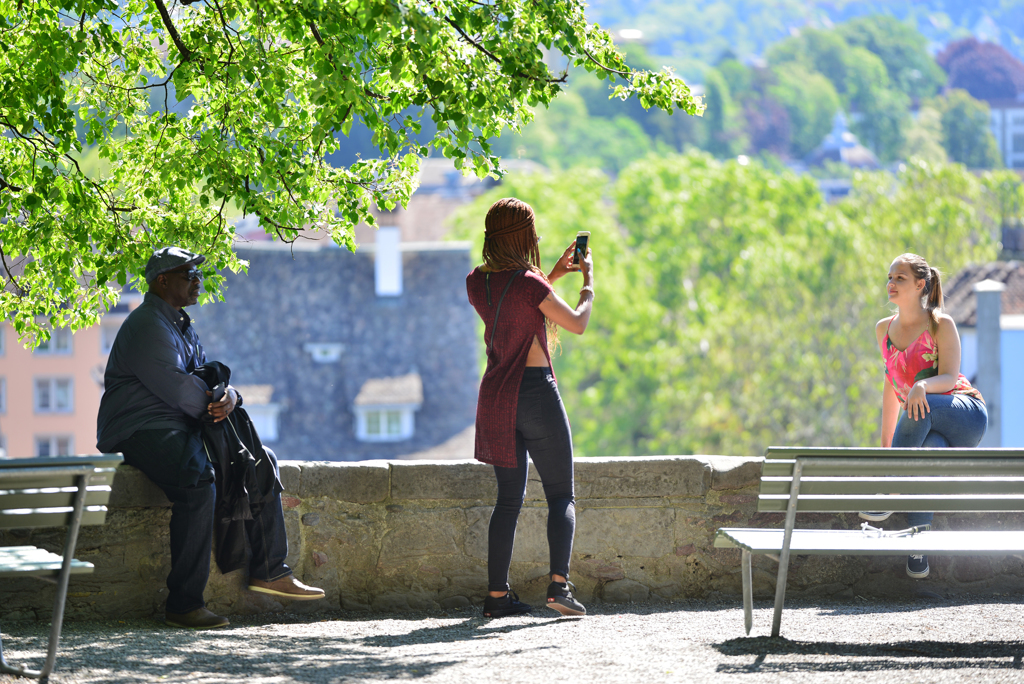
(695, 32)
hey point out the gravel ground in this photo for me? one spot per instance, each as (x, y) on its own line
(922, 640)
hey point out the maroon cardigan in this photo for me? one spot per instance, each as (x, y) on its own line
(518, 322)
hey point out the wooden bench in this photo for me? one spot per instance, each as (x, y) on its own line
(51, 492)
(841, 480)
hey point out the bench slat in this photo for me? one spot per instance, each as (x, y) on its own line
(855, 542)
(878, 467)
(16, 560)
(40, 479)
(94, 515)
(882, 502)
(788, 452)
(967, 486)
(46, 498)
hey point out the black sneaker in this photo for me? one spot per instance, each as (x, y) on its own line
(875, 516)
(562, 600)
(917, 566)
(509, 604)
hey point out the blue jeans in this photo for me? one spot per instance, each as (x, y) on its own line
(542, 430)
(955, 420)
(157, 453)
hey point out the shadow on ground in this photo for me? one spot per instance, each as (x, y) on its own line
(830, 656)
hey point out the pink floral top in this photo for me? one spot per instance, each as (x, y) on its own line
(919, 361)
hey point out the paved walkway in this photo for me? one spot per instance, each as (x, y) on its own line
(692, 641)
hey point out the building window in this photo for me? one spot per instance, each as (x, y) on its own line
(53, 395)
(384, 408)
(384, 424)
(3, 330)
(3, 446)
(59, 343)
(108, 333)
(54, 445)
(3, 395)
(263, 413)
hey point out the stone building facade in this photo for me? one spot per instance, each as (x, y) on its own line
(309, 323)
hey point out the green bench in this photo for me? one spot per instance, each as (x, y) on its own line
(51, 492)
(842, 480)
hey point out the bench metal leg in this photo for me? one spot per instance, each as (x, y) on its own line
(748, 592)
(62, 592)
(787, 538)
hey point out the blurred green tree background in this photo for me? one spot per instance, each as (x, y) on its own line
(735, 308)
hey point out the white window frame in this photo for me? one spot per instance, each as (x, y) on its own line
(52, 407)
(372, 424)
(109, 326)
(53, 445)
(49, 347)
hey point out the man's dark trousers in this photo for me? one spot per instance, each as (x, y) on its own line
(176, 462)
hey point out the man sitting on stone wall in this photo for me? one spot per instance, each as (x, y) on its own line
(150, 412)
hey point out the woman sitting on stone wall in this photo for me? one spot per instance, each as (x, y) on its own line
(519, 410)
(921, 350)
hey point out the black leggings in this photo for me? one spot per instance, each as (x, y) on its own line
(542, 429)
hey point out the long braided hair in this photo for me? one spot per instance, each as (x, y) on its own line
(510, 244)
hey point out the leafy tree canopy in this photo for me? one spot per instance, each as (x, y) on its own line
(965, 130)
(198, 106)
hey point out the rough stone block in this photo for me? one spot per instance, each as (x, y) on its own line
(132, 489)
(609, 532)
(655, 476)
(356, 481)
(291, 475)
(625, 591)
(472, 480)
(531, 536)
(734, 472)
(413, 534)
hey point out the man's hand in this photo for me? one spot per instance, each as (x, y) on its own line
(220, 409)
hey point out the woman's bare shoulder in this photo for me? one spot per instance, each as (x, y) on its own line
(883, 324)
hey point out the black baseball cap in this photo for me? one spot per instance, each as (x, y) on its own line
(169, 258)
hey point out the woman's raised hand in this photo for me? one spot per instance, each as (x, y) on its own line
(586, 265)
(564, 264)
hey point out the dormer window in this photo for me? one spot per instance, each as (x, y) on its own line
(385, 408)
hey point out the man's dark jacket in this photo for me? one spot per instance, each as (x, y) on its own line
(247, 476)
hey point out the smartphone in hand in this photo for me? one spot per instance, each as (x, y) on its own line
(218, 392)
(582, 239)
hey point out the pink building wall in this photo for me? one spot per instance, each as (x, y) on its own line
(21, 423)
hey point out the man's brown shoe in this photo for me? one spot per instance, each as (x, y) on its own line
(200, 618)
(288, 587)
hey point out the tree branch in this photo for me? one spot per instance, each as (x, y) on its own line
(614, 71)
(4, 185)
(186, 54)
(3, 259)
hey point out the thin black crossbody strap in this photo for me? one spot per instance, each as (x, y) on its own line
(494, 327)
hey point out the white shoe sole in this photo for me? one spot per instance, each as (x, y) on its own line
(282, 594)
(919, 575)
(564, 609)
(874, 517)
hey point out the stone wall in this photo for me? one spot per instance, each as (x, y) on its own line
(393, 535)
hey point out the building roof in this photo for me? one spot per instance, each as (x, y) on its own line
(841, 145)
(422, 345)
(399, 391)
(256, 395)
(960, 302)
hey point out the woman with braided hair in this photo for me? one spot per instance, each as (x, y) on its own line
(519, 410)
(926, 401)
